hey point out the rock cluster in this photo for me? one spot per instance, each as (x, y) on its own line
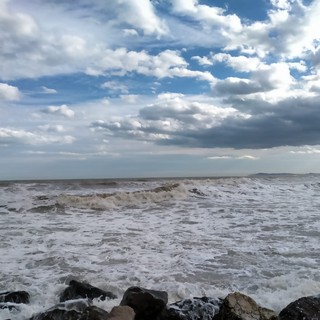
(8, 300)
(145, 304)
(78, 290)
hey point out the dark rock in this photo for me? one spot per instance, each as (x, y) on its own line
(70, 310)
(8, 306)
(237, 306)
(94, 313)
(58, 314)
(77, 290)
(193, 309)
(147, 304)
(121, 313)
(306, 308)
(15, 297)
(197, 192)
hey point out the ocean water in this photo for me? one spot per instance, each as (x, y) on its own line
(190, 237)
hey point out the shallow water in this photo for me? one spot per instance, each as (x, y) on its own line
(190, 237)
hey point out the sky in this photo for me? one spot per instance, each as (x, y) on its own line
(158, 88)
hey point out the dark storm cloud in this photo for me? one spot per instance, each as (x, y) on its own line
(291, 122)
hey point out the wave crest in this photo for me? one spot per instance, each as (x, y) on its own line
(101, 201)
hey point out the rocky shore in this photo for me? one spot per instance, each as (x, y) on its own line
(145, 304)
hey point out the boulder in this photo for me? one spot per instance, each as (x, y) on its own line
(58, 314)
(77, 290)
(15, 297)
(147, 304)
(70, 310)
(73, 310)
(237, 306)
(94, 313)
(193, 309)
(306, 308)
(121, 313)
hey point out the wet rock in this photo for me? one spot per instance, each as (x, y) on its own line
(8, 306)
(197, 192)
(237, 306)
(15, 297)
(306, 308)
(77, 290)
(89, 313)
(193, 309)
(147, 304)
(121, 313)
(70, 310)
(58, 314)
(94, 313)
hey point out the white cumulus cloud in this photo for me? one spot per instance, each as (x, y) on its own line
(62, 110)
(9, 93)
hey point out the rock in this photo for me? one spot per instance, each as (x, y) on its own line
(8, 306)
(121, 313)
(58, 314)
(147, 304)
(306, 308)
(94, 313)
(15, 297)
(77, 290)
(70, 310)
(237, 306)
(197, 192)
(193, 309)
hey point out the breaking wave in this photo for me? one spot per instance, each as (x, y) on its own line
(101, 201)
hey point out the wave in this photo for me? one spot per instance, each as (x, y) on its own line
(101, 201)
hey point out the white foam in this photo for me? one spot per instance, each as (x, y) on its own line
(255, 235)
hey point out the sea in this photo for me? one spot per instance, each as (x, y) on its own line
(191, 237)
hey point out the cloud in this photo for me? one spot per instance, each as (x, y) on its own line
(34, 45)
(239, 63)
(247, 157)
(19, 136)
(129, 98)
(167, 63)
(9, 93)
(48, 90)
(228, 157)
(281, 4)
(11, 135)
(171, 118)
(182, 122)
(105, 102)
(203, 61)
(210, 16)
(307, 150)
(130, 32)
(237, 86)
(141, 15)
(220, 157)
(290, 31)
(62, 110)
(52, 128)
(115, 86)
(262, 79)
(312, 83)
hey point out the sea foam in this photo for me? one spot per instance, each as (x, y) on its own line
(189, 237)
